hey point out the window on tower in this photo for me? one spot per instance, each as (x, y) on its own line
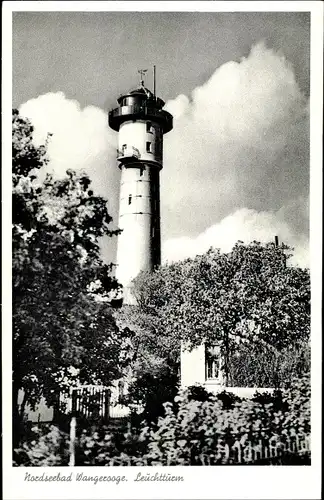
(148, 147)
(149, 127)
(129, 199)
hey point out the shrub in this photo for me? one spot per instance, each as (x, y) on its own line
(276, 399)
(202, 431)
(198, 393)
(192, 430)
(297, 399)
(152, 391)
(43, 447)
(257, 366)
(96, 446)
(227, 399)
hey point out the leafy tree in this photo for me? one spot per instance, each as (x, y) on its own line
(155, 361)
(63, 328)
(255, 365)
(247, 296)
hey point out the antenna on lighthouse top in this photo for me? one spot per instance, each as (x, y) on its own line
(154, 81)
(142, 73)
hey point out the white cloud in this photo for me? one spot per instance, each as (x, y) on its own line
(81, 138)
(245, 225)
(240, 140)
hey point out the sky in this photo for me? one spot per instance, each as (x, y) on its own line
(236, 164)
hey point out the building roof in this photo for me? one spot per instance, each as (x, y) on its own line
(141, 90)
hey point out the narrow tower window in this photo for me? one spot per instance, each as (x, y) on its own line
(148, 147)
(129, 199)
(149, 127)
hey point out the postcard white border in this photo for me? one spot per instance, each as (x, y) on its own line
(226, 482)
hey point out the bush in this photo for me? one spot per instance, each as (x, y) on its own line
(257, 366)
(152, 392)
(202, 431)
(276, 399)
(297, 400)
(96, 446)
(103, 445)
(198, 393)
(228, 399)
(43, 447)
(191, 430)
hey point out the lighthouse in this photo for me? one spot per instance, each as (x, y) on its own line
(141, 123)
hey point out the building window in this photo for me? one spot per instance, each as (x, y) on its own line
(148, 147)
(129, 199)
(212, 357)
(212, 368)
(121, 391)
(149, 127)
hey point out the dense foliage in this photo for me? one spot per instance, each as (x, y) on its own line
(192, 429)
(249, 301)
(255, 365)
(248, 297)
(46, 446)
(196, 429)
(63, 328)
(155, 362)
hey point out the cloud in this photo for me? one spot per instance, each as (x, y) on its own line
(239, 140)
(236, 164)
(245, 225)
(81, 140)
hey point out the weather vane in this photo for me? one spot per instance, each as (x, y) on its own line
(142, 73)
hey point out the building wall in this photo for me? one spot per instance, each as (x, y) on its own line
(193, 372)
(139, 244)
(192, 366)
(42, 412)
(136, 134)
(242, 392)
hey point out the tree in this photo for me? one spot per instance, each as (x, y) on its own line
(155, 361)
(247, 296)
(63, 328)
(255, 365)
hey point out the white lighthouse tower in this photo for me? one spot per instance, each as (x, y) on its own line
(140, 122)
